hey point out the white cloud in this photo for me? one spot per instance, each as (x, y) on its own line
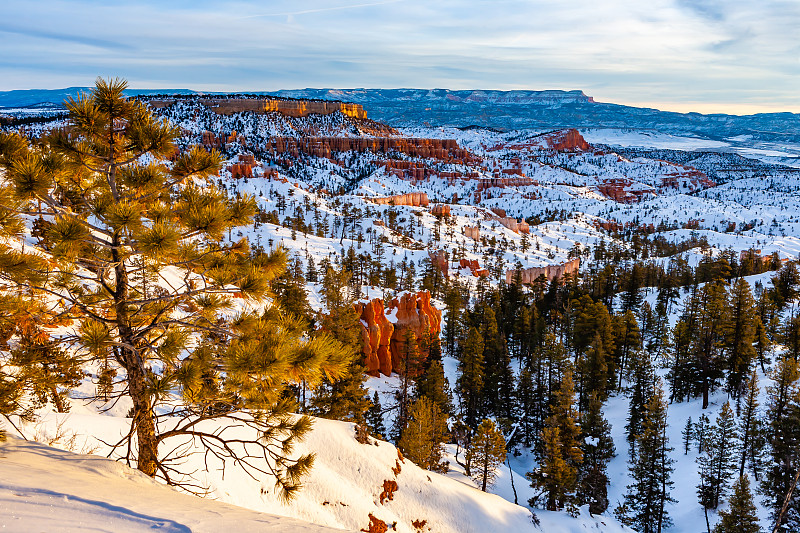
(719, 52)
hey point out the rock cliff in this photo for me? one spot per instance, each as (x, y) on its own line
(550, 272)
(384, 343)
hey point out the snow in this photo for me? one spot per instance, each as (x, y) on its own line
(47, 489)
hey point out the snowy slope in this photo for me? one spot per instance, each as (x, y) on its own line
(341, 491)
(47, 489)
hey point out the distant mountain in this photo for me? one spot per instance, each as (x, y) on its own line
(503, 110)
(547, 110)
(31, 97)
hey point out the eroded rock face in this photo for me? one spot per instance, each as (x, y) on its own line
(440, 210)
(384, 343)
(472, 232)
(376, 334)
(474, 267)
(550, 272)
(289, 107)
(415, 199)
(415, 314)
(439, 259)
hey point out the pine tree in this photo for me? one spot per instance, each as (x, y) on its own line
(651, 469)
(783, 435)
(748, 427)
(47, 371)
(688, 435)
(643, 381)
(701, 429)
(374, 417)
(421, 440)
(344, 398)
(115, 202)
(739, 337)
(598, 450)
(741, 515)
(470, 380)
(526, 406)
(497, 374)
(433, 384)
(485, 453)
(561, 456)
(718, 461)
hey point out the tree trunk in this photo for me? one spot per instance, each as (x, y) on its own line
(143, 416)
(144, 421)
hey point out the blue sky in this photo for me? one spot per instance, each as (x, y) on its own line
(736, 56)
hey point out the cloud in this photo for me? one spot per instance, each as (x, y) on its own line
(715, 51)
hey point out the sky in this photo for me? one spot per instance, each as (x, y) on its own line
(730, 56)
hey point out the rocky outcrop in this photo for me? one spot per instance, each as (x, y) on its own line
(384, 343)
(446, 150)
(624, 191)
(550, 272)
(567, 140)
(514, 225)
(415, 199)
(440, 210)
(440, 261)
(474, 267)
(472, 232)
(241, 170)
(291, 108)
(376, 334)
(415, 314)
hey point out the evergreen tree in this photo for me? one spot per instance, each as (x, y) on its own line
(470, 380)
(561, 456)
(497, 374)
(598, 450)
(739, 337)
(688, 435)
(433, 384)
(410, 366)
(651, 470)
(748, 427)
(783, 435)
(116, 203)
(485, 453)
(628, 340)
(527, 407)
(701, 429)
(47, 372)
(643, 381)
(741, 515)
(421, 439)
(344, 398)
(718, 461)
(374, 417)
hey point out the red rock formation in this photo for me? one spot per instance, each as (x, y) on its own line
(502, 183)
(442, 149)
(440, 210)
(415, 314)
(472, 232)
(550, 272)
(439, 259)
(415, 199)
(514, 225)
(241, 170)
(620, 190)
(474, 267)
(376, 334)
(292, 108)
(568, 140)
(384, 342)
